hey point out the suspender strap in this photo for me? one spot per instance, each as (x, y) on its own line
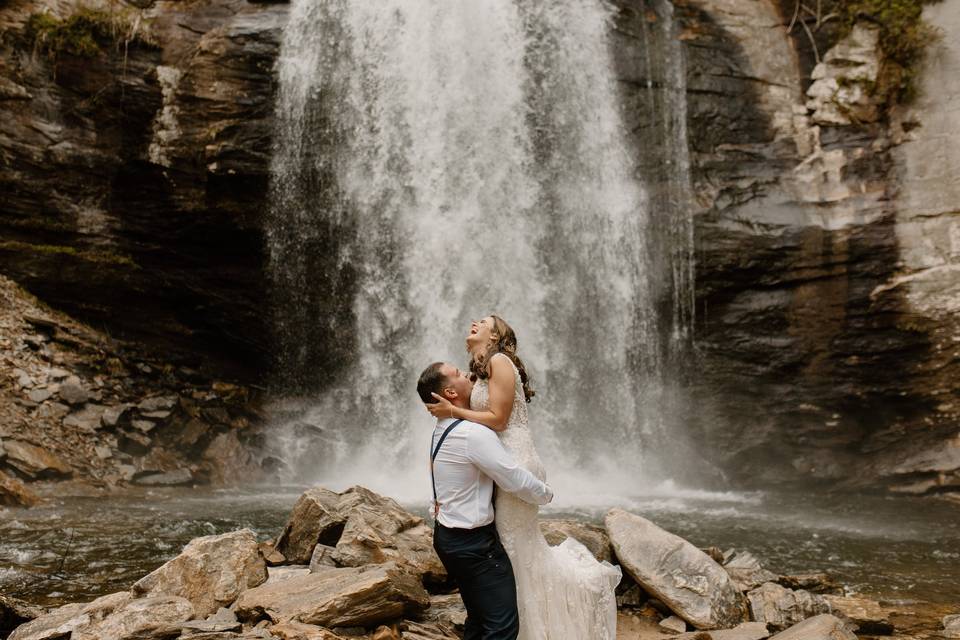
(433, 458)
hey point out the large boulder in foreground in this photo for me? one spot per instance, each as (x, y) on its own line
(363, 528)
(821, 627)
(780, 608)
(210, 572)
(347, 597)
(155, 617)
(315, 519)
(378, 530)
(682, 576)
(746, 571)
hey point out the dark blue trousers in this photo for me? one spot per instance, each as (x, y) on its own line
(476, 560)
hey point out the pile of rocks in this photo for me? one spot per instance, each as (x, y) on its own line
(357, 565)
(76, 404)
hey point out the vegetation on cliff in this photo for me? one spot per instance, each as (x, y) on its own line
(904, 38)
(86, 32)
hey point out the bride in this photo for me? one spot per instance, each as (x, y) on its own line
(563, 592)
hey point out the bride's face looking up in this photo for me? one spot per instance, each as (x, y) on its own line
(481, 335)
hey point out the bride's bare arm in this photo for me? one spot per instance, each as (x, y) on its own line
(500, 384)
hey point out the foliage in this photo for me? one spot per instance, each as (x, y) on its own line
(904, 38)
(84, 33)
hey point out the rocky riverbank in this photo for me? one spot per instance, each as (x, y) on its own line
(76, 404)
(357, 565)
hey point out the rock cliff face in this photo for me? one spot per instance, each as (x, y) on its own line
(136, 174)
(827, 228)
(826, 258)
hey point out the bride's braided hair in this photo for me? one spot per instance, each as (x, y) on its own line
(507, 345)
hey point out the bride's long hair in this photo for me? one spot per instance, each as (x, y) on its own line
(507, 345)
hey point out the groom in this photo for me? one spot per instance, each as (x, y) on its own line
(467, 459)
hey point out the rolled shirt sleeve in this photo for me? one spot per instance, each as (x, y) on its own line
(486, 451)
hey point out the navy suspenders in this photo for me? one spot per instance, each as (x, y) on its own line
(433, 458)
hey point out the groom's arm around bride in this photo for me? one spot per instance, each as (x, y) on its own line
(466, 460)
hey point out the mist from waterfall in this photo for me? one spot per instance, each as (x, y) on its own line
(435, 163)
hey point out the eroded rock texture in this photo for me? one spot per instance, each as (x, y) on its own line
(826, 271)
(135, 178)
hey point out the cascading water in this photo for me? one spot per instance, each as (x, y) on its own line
(434, 163)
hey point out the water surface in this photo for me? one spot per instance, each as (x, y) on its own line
(76, 548)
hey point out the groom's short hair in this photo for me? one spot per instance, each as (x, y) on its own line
(431, 380)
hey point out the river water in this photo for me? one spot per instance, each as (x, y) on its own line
(76, 548)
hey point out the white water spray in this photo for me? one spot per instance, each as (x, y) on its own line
(437, 162)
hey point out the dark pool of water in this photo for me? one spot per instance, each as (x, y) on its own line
(77, 548)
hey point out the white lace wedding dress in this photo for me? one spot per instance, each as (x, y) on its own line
(563, 592)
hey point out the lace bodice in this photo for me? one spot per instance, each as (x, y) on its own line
(516, 437)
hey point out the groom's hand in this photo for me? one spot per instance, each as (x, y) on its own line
(442, 408)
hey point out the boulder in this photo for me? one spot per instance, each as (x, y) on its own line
(73, 393)
(14, 613)
(673, 625)
(40, 395)
(271, 555)
(112, 415)
(746, 572)
(33, 461)
(447, 610)
(813, 582)
(363, 528)
(743, 631)
(13, 493)
(210, 572)
(210, 626)
(154, 617)
(821, 627)
(427, 631)
(780, 608)
(868, 615)
(278, 574)
(300, 631)
(315, 518)
(88, 419)
(347, 597)
(178, 478)
(157, 403)
(591, 536)
(379, 530)
(951, 626)
(64, 621)
(694, 586)
(322, 558)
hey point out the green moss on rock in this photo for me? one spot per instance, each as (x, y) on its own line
(904, 38)
(85, 33)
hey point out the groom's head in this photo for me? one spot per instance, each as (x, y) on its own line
(447, 381)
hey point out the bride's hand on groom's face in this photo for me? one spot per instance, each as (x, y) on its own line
(442, 408)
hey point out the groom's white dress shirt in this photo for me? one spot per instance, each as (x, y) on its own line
(471, 459)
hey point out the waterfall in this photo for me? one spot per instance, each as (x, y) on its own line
(436, 162)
